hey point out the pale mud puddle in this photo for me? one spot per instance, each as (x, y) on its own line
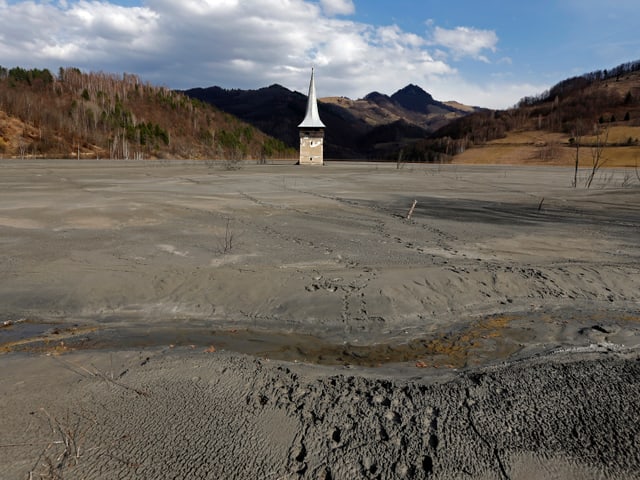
(15, 331)
(483, 341)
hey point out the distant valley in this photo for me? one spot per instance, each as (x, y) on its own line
(101, 115)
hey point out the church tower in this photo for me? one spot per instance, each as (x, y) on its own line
(311, 131)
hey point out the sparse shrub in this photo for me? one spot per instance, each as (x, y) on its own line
(226, 242)
(233, 160)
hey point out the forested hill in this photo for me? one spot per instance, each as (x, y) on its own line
(99, 115)
(575, 108)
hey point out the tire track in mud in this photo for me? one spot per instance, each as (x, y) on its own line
(352, 292)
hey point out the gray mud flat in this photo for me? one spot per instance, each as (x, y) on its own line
(131, 294)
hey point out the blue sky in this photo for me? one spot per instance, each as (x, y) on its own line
(489, 53)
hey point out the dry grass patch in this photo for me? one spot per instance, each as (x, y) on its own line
(530, 137)
(619, 134)
(614, 157)
(545, 148)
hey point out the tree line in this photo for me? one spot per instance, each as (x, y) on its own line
(573, 84)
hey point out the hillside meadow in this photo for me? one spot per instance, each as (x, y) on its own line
(534, 147)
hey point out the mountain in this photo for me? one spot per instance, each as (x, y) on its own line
(99, 115)
(415, 99)
(374, 127)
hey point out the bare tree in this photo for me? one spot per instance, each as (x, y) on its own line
(597, 150)
(400, 162)
(22, 147)
(226, 244)
(577, 136)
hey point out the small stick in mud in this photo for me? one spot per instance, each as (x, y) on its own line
(415, 202)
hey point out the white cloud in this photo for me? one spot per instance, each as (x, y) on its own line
(240, 44)
(466, 41)
(79, 33)
(338, 7)
(503, 94)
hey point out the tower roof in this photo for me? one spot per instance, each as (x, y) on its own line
(312, 118)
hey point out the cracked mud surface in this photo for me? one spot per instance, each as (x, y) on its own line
(523, 316)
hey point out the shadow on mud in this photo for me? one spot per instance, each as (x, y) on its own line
(537, 211)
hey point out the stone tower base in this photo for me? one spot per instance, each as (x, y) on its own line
(311, 147)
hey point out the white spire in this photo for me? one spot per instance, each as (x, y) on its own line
(312, 118)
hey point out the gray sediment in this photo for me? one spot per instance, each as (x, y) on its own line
(137, 313)
(194, 415)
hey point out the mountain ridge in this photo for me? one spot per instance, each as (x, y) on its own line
(406, 116)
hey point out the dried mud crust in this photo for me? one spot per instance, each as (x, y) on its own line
(186, 415)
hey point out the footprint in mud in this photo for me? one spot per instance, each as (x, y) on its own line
(335, 436)
(298, 455)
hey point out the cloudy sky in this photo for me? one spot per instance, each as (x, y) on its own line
(489, 53)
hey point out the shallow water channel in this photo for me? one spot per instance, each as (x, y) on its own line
(479, 341)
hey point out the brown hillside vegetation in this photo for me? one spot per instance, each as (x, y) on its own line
(575, 116)
(100, 115)
(14, 132)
